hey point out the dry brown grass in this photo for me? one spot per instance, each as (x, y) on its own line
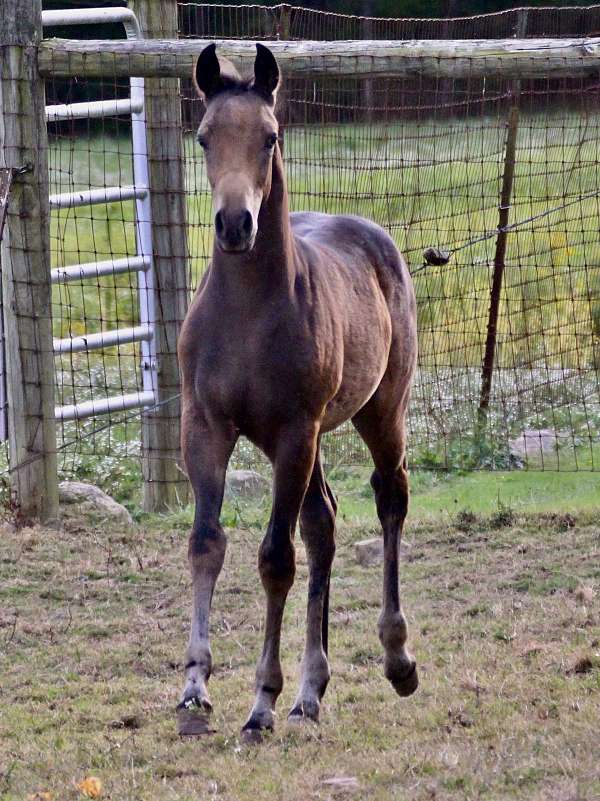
(505, 624)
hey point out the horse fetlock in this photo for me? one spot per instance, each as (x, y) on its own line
(393, 631)
(198, 666)
(316, 673)
(269, 682)
(198, 661)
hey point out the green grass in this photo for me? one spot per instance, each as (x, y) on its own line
(481, 492)
(504, 621)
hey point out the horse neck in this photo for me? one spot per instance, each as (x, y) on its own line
(274, 239)
(270, 265)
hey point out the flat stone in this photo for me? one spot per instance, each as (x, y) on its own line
(78, 499)
(370, 552)
(246, 484)
(534, 442)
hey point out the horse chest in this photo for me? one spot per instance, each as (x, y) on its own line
(250, 374)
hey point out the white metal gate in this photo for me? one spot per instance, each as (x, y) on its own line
(142, 262)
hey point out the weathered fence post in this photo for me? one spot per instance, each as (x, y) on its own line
(487, 369)
(165, 486)
(366, 32)
(25, 259)
(283, 34)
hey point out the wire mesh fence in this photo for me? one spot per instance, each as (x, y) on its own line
(425, 158)
(423, 155)
(253, 21)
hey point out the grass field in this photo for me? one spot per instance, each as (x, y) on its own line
(504, 620)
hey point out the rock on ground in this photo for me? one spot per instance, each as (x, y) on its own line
(79, 499)
(370, 552)
(246, 484)
(534, 443)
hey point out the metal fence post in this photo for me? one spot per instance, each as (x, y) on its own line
(25, 258)
(487, 369)
(165, 486)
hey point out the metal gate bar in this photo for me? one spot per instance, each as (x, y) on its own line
(142, 262)
(96, 269)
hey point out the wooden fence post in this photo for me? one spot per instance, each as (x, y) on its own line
(25, 259)
(487, 370)
(165, 485)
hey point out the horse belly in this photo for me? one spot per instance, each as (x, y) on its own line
(359, 383)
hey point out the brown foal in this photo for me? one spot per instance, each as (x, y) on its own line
(302, 321)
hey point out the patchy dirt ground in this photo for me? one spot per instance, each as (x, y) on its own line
(505, 623)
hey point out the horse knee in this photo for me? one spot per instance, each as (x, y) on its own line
(206, 547)
(277, 564)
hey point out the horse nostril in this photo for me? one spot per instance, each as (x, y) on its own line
(219, 225)
(247, 223)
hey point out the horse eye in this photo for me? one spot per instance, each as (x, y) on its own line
(203, 143)
(271, 140)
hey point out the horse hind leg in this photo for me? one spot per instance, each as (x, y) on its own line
(385, 440)
(317, 528)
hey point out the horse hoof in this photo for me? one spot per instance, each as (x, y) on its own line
(253, 733)
(308, 712)
(192, 722)
(406, 682)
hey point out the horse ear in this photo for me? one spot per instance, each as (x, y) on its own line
(266, 73)
(207, 75)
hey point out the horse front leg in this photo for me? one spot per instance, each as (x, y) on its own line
(292, 465)
(206, 451)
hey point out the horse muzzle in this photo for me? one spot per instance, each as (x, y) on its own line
(235, 232)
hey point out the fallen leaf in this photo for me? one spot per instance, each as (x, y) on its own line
(90, 787)
(41, 795)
